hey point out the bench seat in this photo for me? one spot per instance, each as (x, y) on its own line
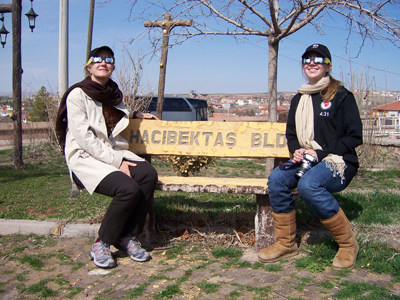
(212, 185)
(261, 140)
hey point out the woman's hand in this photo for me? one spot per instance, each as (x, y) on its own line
(298, 154)
(124, 167)
(140, 115)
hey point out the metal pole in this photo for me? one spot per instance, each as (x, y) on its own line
(63, 49)
(16, 82)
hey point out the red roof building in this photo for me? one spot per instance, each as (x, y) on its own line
(388, 110)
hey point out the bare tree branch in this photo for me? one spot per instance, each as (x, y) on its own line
(274, 20)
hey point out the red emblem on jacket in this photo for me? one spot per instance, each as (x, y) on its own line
(326, 105)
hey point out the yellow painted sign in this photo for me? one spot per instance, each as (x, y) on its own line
(220, 139)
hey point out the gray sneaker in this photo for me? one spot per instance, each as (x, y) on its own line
(101, 255)
(133, 248)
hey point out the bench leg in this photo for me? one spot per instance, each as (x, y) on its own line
(149, 235)
(264, 226)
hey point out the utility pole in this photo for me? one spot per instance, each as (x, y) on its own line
(15, 9)
(166, 27)
(90, 30)
(63, 49)
(17, 78)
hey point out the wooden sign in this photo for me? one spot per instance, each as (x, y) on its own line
(225, 139)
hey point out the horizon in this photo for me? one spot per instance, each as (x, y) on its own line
(10, 96)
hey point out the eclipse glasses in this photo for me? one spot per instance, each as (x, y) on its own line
(316, 60)
(99, 59)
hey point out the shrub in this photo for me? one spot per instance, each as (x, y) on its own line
(188, 165)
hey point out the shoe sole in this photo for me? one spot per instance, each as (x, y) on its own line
(104, 266)
(140, 259)
(294, 253)
(134, 258)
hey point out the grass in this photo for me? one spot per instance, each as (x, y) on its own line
(374, 256)
(41, 289)
(38, 190)
(207, 287)
(363, 291)
(174, 251)
(41, 191)
(35, 262)
(222, 168)
(229, 252)
(169, 292)
(371, 208)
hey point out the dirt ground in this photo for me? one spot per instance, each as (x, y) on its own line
(59, 268)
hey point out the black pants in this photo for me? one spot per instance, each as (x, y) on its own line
(131, 201)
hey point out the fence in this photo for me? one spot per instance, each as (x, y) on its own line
(30, 131)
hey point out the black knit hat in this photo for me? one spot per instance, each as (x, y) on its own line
(319, 48)
(95, 50)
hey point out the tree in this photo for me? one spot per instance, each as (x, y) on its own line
(129, 74)
(275, 20)
(40, 103)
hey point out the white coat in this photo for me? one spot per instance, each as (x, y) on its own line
(89, 152)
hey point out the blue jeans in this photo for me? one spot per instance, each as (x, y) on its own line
(314, 187)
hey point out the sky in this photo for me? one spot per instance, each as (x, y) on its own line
(210, 65)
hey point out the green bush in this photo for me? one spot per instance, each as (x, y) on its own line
(188, 165)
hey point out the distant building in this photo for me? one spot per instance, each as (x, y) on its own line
(264, 110)
(5, 110)
(387, 110)
(227, 105)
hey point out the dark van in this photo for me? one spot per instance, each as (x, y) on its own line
(181, 109)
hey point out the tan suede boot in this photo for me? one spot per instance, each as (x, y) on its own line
(285, 231)
(339, 226)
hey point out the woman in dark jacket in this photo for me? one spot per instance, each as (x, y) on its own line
(323, 130)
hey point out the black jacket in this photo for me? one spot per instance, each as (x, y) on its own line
(337, 128)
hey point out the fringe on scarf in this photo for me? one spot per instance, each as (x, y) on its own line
(336, 164)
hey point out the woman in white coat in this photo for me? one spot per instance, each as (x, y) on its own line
(90, 119)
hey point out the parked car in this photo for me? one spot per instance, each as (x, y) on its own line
(181, 109)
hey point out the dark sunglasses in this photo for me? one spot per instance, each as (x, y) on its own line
(99, 59)
(316, 60)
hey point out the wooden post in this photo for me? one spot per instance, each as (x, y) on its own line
(90, 30)
(16, 79)
(264, 224)
(15, 9)
(166, 27)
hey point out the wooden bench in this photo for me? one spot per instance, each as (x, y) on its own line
(216, 139)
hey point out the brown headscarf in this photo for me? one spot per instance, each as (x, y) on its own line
(109, 95)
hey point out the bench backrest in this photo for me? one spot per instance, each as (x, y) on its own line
(219, 139)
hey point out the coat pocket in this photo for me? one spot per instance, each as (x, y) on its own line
(83, 154)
